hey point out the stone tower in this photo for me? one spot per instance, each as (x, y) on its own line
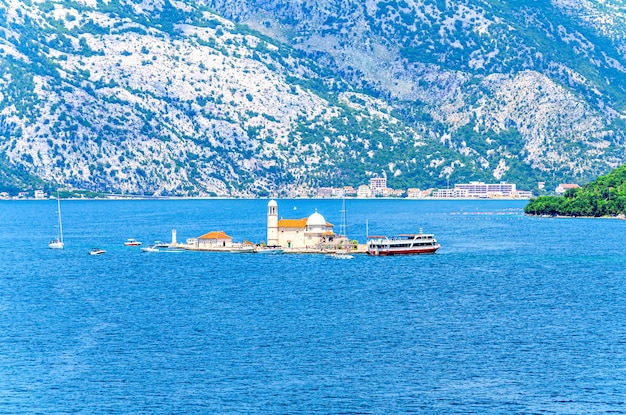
(272, 223)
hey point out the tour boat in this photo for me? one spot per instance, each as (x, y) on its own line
(403, 244)
(132, 242)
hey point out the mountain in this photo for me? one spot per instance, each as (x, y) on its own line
(265, 97)
(605, 196)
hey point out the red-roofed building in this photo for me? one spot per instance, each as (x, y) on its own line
(215, 239)
(564, 187)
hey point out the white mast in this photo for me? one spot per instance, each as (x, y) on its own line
(344, 223)
(60, 223)
(58, 242)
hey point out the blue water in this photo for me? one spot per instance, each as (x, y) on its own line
(512, 315)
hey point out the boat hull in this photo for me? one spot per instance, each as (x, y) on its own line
(402, 251)
(269, 251)
(340, 256)
(403, 244)
(56, 245)
(242, 250)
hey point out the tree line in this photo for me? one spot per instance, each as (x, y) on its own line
(606, 196)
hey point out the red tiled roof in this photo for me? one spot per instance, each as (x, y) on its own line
(292, 223)
(297, 223)
(215, 235)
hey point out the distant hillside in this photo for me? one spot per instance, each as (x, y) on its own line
(525, 89)
(606, 196)
(254, 98)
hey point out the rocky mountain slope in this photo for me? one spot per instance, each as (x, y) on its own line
(246, 97)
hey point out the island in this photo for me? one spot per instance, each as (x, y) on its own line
(604, 197)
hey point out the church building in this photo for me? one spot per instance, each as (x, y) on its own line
(306, 233)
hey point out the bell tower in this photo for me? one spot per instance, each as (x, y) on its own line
(272, 223)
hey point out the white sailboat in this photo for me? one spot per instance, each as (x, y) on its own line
(344, 233)
(57, 243)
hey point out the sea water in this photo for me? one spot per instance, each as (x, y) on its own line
(513, 314)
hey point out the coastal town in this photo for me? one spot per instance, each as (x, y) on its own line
(377, 188)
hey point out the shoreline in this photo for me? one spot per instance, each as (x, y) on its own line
(161, 198)
(361, 249)
(620, 217)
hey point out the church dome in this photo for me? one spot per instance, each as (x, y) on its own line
(316, 220)
(272, 203)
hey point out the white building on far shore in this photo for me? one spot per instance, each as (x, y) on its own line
(480, 190)
(449, 193)
(377, 184)
(364, 191)
(485, 190)
(564, 187)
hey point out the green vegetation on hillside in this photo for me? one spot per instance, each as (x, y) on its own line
(15, 180)
(261, 114)
(604, 197)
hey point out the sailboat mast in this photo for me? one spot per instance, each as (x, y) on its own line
(344, 222)
(59, 213)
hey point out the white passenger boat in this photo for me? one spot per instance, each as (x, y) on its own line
(132, 242)
(403, 244)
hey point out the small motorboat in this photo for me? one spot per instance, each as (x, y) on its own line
(340, 255)
(242, 249)
(97, 251)
(150, 248)
(269, 250)
(132, 242)
(173, 250)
